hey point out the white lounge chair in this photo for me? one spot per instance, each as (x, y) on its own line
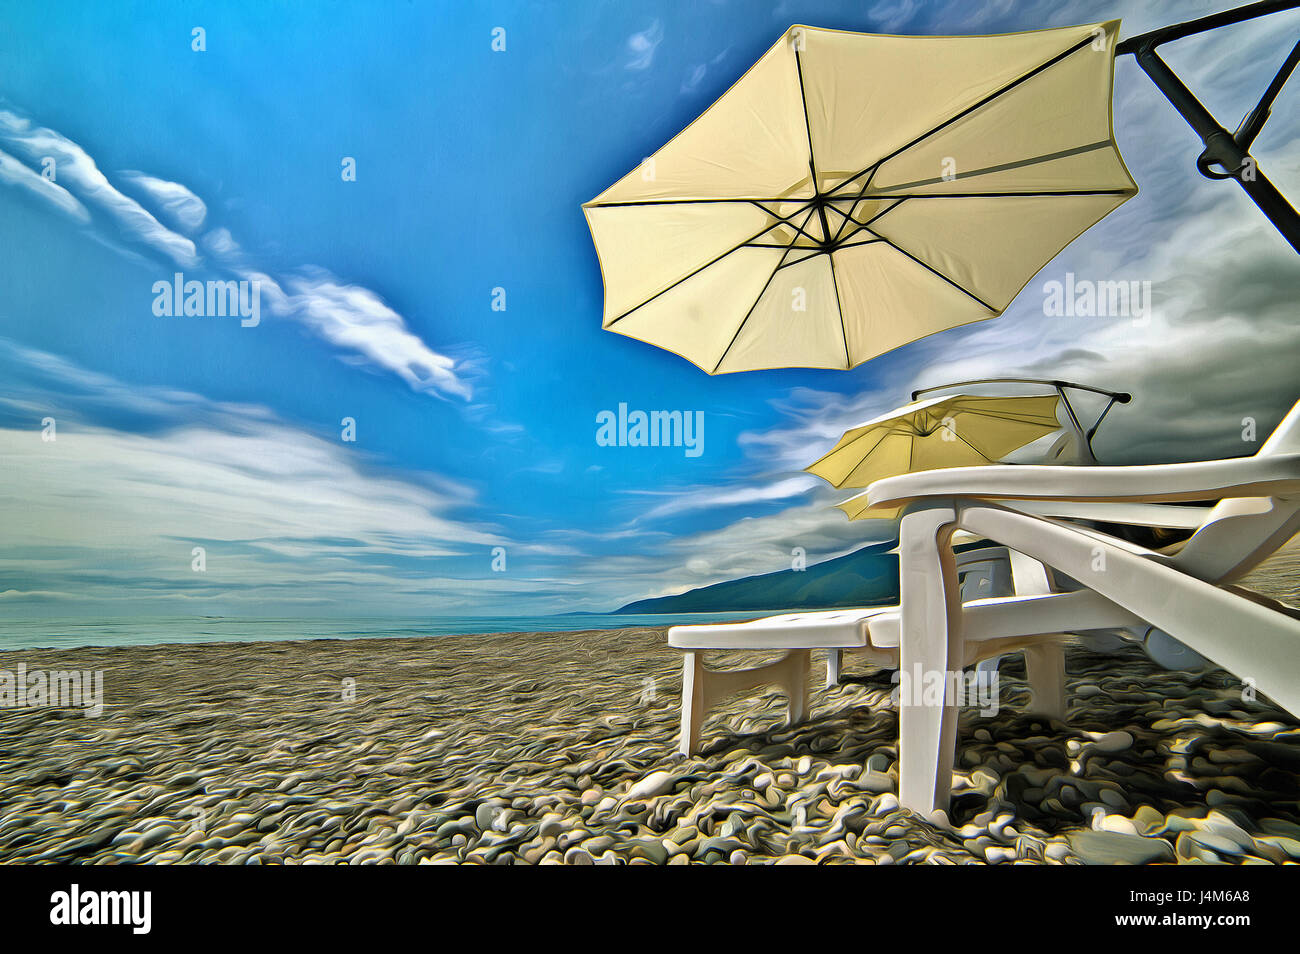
(871, 632)
(1187, 593)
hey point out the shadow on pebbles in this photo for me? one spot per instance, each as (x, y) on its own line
(561, 748)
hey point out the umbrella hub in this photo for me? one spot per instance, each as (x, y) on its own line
(829, 225)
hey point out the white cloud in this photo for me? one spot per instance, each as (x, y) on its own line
(77, 171)
(729, 495)
(221, 243)
(284, 514)
(183, 207)
(13, 172)
(641, 46)
(357, 319)
(891, 15)
(696, 77)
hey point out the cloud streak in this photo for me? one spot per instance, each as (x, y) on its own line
(76, 170)
(349, 317)
(14, 173)
(186, 210)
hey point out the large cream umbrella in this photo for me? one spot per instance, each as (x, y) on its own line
(851, 193)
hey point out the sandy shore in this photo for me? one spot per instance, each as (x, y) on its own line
(560, 747)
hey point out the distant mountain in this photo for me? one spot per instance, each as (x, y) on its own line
(864, 577)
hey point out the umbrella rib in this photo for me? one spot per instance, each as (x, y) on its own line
(703, 267)
(788, 220)
(1015, 164)
(807, 125)
(874, 241)
(812, 253)
(812, 158)
(762, 292)
(861, 193)
(631, 202)
(1002, 195)
(839, 307)
(931, 268)
(953, 431)
(1086, 41)
(848, 216)
(866, 226)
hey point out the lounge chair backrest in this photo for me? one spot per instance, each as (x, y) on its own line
(1285, 438)
(1238, 534)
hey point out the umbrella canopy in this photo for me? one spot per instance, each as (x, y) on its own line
(851, 193)
(954, 431)
(859, 508)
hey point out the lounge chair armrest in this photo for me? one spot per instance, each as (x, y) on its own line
(1270, 475)
(1131, 512)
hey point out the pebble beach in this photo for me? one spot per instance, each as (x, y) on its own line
(560, 748)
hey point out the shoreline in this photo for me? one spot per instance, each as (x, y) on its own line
(561, 747)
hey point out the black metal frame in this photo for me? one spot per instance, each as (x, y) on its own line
(1230, 152)
(1116, 397)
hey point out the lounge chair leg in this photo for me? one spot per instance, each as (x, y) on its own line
(794, 668)
(930, 647)
(702, 687)
(693, 703)
(1044, 663)
(1045, 670)
(834, 657)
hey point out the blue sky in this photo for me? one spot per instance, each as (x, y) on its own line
(476, 427)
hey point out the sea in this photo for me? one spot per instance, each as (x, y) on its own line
(65, 633)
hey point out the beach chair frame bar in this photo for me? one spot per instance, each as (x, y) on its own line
(1085, 435)
(1230, 152)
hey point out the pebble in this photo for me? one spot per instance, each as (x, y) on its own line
(656, 783)
(1117, 741)
(1111, 847)
(1117, 823)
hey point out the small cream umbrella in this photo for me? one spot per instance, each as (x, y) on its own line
(953, 431)
(852, 193)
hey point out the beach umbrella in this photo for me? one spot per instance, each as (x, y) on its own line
(957, 430)
(851, 193)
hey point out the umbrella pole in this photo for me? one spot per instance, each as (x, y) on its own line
(1229, 151)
